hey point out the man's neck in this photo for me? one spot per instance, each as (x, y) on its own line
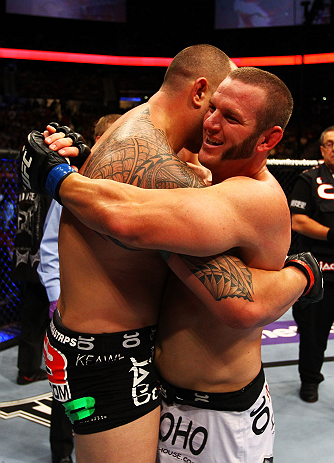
(165, 117)
(171, 113)
(240, 168)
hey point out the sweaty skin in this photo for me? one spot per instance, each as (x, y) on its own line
(209, 331)
(137, 153)
(213, 338)
(107, 288)
(170, 220)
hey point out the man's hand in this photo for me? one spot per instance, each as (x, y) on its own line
(67, 143)
(202, 172)
(308, 264)
(42, 170)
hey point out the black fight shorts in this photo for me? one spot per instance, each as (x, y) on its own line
(103, 380)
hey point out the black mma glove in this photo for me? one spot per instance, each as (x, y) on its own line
(78, 142)
(306, 262)
(43, 170)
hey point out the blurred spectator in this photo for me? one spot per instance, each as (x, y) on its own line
(32, 210)
(312, 208)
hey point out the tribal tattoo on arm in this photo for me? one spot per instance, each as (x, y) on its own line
(222, 275)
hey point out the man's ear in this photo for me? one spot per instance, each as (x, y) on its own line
(269, 139)
(199, 91)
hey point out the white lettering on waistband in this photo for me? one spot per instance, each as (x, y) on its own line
(203, 398)
(82, 343)
(86, 359)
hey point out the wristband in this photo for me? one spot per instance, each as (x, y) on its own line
(55, 179)
(330, 235)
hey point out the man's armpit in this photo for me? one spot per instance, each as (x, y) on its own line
(222, 275)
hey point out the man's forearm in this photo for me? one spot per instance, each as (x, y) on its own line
(97, 204)
(241, 297)
(172, 219)
(309, 227)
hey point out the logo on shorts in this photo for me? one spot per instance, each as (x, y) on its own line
(262, 416)
(201, 397)
(131, 340)
(56, 364)
(141, 393)
(180, 430)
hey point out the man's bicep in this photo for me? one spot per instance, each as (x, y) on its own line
(184, 220)
(194, 222)
(198, 222)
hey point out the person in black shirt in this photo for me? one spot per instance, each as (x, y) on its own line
(312, 209)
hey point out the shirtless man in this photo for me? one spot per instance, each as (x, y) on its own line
(209, 350)
(103, 335)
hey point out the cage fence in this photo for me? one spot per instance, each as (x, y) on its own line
(10, 291)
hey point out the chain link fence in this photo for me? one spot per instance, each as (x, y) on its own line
(10, 291)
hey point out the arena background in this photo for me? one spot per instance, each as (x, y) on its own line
(34, 92)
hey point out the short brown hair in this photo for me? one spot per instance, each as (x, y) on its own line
(198, 61)
(279, 101)
(102, 124)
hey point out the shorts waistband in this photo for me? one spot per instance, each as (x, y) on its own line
(122, 341)
(236, 401)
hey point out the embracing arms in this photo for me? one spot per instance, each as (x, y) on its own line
(197, 222)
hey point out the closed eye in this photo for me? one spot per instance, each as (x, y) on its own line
(212, 108)
(232, 120)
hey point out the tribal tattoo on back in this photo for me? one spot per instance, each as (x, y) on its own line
(139, 154)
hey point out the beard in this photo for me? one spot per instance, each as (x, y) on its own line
(243, 151)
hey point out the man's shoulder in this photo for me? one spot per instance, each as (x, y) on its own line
(262, 205)
(252, 188)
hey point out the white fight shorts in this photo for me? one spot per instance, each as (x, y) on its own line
(199, 434)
